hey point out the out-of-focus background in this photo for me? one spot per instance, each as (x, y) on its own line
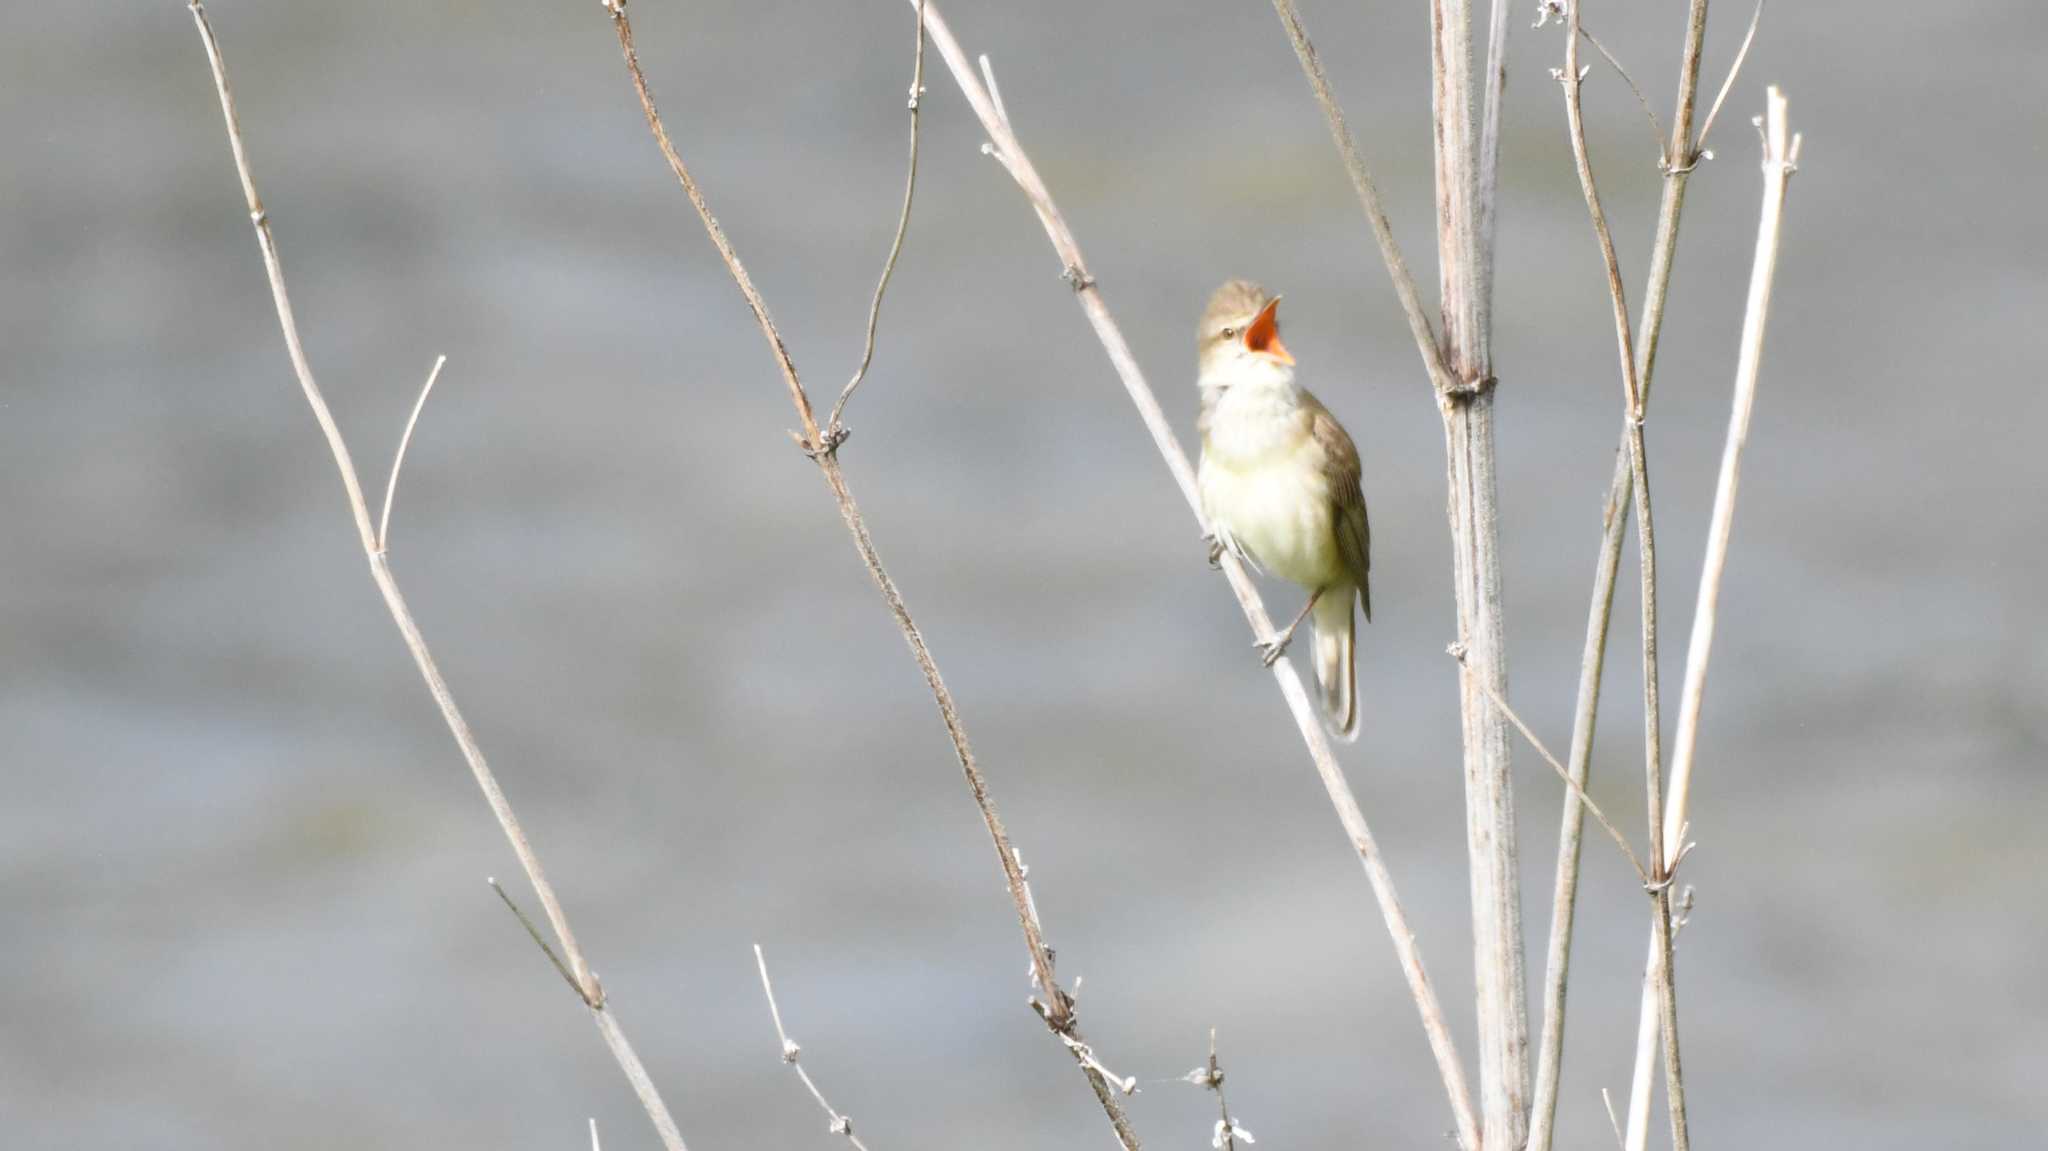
(241, 865)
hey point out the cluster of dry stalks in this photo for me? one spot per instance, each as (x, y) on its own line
(1456, 356)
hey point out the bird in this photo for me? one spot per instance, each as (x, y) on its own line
(1281, 486)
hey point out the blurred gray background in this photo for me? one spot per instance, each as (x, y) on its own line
(241, 865)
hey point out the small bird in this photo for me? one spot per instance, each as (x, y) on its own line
(1280, 484)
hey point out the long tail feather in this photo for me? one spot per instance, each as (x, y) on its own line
(1336, 660)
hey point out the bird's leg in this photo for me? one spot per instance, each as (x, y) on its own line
(1270, 650)
(1215, 543)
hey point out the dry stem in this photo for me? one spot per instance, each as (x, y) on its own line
(1465, 195)
(1677, 166)
(1662, 976)
(578, 970)
(1780, 160)
(1006, 149)
(1057, 1009)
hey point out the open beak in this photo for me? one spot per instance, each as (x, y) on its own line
(1262, 337)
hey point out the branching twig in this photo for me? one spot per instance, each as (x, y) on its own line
(1058, 1008)
(576, 969)
(792, 1054)
(1680, 159)
(834, 429)
(1656, 129)
(1369, 198)
(1780, 160)
(1613, 832)
(1004, 146)
(398, 460)
(1734, 70)
(1653, 772)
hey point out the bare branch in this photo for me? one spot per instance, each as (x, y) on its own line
(1781, 159)
(398, 460)
(1681, 156)
(1613, 832)
(792, 1054)
(541, 942)
(1656, 129)
(1003, 144)
(821, 447)
(1734, 70)
(1369, 198)
(580, 976)
(1662, 975)
(835, 429)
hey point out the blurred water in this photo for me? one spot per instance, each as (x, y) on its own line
(241, 865)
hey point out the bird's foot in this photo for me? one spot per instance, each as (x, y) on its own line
(1270, 650)
(1215, 550)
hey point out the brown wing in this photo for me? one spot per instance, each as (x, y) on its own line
(1354, 532)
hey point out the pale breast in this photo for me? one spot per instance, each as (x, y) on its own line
(1276, 506)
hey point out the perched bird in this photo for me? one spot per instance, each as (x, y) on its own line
(1280, 484)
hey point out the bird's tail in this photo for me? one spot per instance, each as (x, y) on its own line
(1336, 660)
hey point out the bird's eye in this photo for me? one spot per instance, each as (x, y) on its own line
(1230, 333)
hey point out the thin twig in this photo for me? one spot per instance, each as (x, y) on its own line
(793, 1055)
(1613, 832)
(1662, 976)
(1681, 159)
(1419, 325)
(834, 429)
(585, 983)
(594, 1144)
(1058, 1008)
(533, 933)
(1656, 129)
(1734, 70)
(398, 460)
(1005, 147)
(1781, 159)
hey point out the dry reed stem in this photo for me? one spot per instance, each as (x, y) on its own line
(1662, 976)
(581, 978)
(1466, 190)
(1057, 1007)
(1460, 369)
(1780, 161)
(1005, 148)
(1677, 165)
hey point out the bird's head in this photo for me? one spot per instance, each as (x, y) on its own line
(1239, 339)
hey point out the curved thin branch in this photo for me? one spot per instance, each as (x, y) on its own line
(578, 972)
(833, 427)
(1057, 1007)
(398, 460)
(792, 1054)
(1656, 129)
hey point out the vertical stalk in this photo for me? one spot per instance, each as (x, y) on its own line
(1679, 157)
(1465, 181)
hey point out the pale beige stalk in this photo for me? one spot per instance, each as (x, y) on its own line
(373, 539)
(1780, 161)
